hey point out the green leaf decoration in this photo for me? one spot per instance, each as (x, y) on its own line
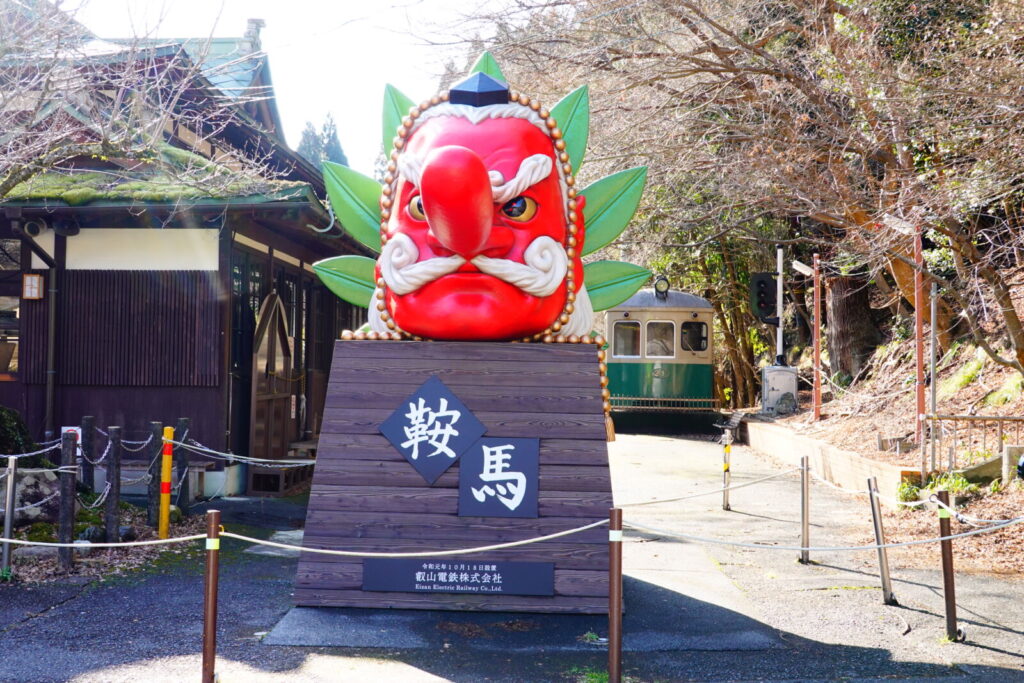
(355, 199)
(572, 113)
(396, 108)
(350, 277)
(486, 63)
(611, 203)
(609, 283)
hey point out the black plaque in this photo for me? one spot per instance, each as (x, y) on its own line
(499, 477)
(444, 575)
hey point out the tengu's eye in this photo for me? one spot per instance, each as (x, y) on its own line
(416, 208)
(520, 209)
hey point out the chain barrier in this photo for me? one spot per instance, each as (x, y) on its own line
(198, 448)
(96, 503)
(140, 448)
(97, 461)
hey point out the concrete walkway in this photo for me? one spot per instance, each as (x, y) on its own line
(694, 612)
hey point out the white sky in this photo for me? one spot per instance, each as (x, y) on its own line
(324, 56)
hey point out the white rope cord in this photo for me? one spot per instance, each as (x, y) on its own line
(711, 492)
(34, 505)
(198, 448)
(966, 519)
(28, 455)
(822, 549)
(126, 544)
(432, 553)
(826, 482)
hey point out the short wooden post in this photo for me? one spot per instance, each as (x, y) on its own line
(210, 595)
(948, 584)
(888, 597)
(805, 509)
(88, 452)
(1007, 473)
(112, 510)
(66, 519)
(153, 451)
(12, 482)
(615, 595)
(166, 458)
(181, 466)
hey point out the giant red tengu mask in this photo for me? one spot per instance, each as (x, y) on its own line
(481, 229)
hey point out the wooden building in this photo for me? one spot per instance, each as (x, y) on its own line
(159, 300)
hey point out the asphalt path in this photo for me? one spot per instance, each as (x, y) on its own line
(693, 611)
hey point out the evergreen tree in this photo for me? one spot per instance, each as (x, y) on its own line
(331, 149)
(311, 145)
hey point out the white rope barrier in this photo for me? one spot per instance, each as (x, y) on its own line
(822, 549)
(123, 544)
(199, 449)
(44, 501)
(711, 492)
(28, 455)
(431, 553)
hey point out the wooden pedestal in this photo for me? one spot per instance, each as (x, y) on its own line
(366, 496)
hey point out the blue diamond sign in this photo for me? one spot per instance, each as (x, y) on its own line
(432, 428)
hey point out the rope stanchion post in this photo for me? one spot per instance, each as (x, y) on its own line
(153, 490)
(888, 597)
(210, 595)
(66, 517)
(166, 459)
(88, 455)
(948, 585)
(726, 468)
(181, 466)
(111, 510)
(805, 510)
(12, 475)
(615, 595)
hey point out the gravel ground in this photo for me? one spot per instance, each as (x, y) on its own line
(694, 612)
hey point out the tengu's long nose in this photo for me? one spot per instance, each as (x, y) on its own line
(457, 200)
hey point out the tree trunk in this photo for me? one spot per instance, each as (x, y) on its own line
(852, 334)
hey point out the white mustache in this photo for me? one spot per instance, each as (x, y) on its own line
(544, 267)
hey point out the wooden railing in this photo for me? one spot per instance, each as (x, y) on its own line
(950, 436)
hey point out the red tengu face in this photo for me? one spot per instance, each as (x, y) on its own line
(475, 245)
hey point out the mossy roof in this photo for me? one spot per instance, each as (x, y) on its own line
(174, 176)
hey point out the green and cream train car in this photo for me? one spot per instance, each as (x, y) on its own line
(660, 355)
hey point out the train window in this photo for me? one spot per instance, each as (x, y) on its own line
(626, 339)
(694, 336)
(661, 340)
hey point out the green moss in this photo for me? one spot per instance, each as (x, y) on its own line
(1009, 392)
(41, 532)
(967, 373)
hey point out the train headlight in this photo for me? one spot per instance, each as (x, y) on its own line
(661, 287)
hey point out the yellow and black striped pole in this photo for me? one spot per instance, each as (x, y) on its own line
(726, 473)
(166, 459)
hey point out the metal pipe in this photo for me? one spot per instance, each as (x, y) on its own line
(919, 332)
(933, 362)
(817, 338)
(210, 595)
(883, 557)
(51, 356)
(615, 595)
(12, 474)
(805, 509)
(780, 357)
(948, 587)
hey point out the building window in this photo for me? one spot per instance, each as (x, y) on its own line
(626, 339)
(694, 336)
(9, 328)
(661, 340)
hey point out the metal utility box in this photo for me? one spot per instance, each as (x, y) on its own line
(778, 390)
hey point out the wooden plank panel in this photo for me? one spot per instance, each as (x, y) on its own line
(399, 473)
(508, 424)
(366, 497)
(489, 352)
(567, 604)
(589, 504)
(552, 451)
(341, 525)
(476, 397)
(349, 576)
